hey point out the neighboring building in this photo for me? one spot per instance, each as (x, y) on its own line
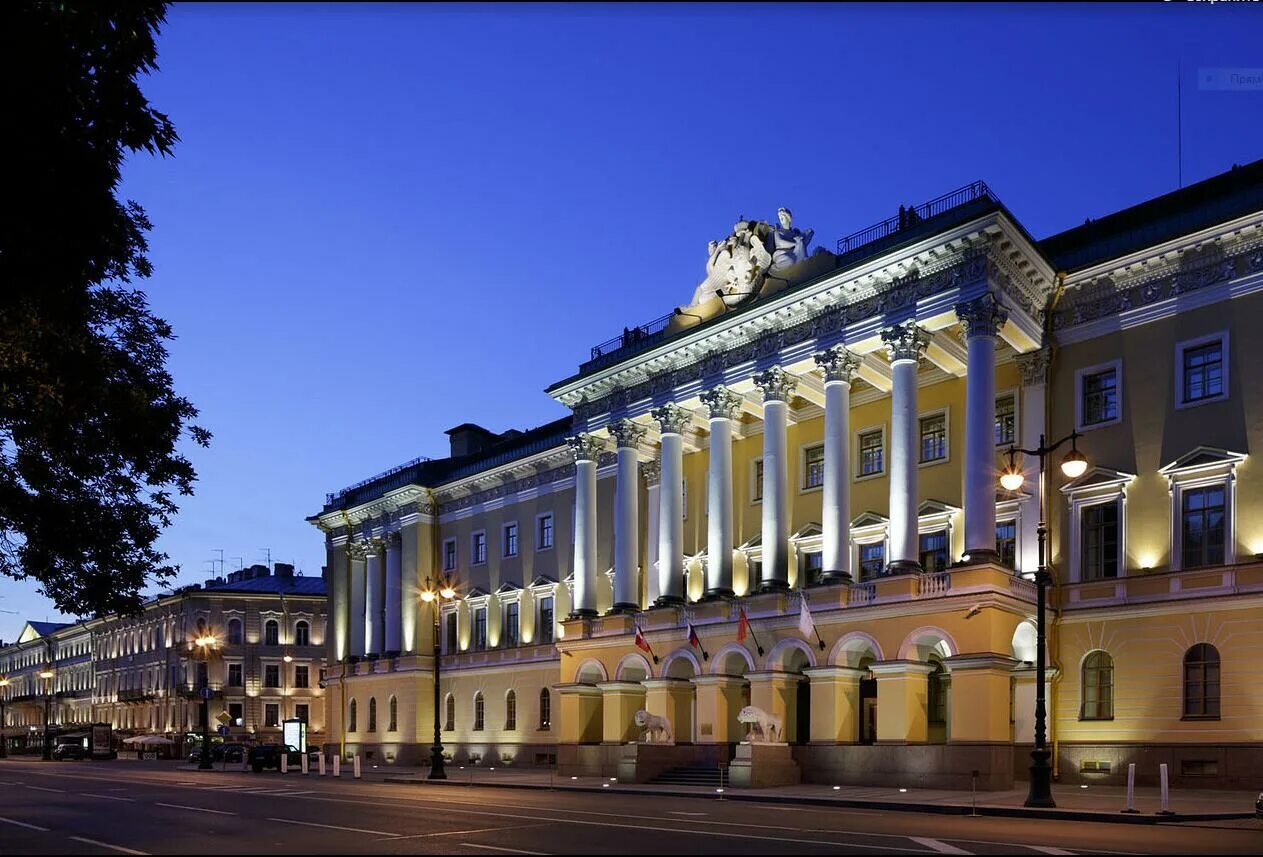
(835, 423)
(142, 673)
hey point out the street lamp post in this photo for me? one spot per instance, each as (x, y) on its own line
(1073, 466)
(4, 723)
(446, 591)
(47, 675)
(205, 642)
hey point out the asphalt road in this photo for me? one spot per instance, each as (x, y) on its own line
(129, 808)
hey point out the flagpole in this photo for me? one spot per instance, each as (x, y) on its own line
(803, 594)
(750, 629)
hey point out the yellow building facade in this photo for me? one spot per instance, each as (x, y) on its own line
(788, 490)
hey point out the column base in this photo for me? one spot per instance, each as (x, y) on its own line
(391, 653)
(831, 577)
(669, 601)
(904, 566)
(372, 656)
(979, 555)
(717, 593)
(625, 607)
(583, 613)
(774, 586)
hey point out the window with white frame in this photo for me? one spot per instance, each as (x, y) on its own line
(872, 559)
(1006, 419)
(1006, 542)
(1098, 395)
(1201, 370)
(449, 555)
(450, 640)
(512, 623)
(1202, 485)
(756, 480)
(933, 551)
(1203, 529)
(1100, 552)
(478, 548)
(544, 532)
(544, 627)
(933, 432)
(813, 467)
(510, 539)
(810, 566)
(870, 453)
(480, 629)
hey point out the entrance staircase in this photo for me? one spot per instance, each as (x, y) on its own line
(690, 775)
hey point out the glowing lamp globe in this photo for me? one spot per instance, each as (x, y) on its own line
(1011, 480)
(1075, 464)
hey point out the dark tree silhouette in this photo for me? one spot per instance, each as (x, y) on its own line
(89, 422)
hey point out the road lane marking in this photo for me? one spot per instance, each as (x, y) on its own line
(694, 814)
(107, 797)
(499, 848)
(394, 837)
(936, 845)
(23, 824)
(1048, 849)
(99, 844)
(195, 808)
(46, 789)
(334, 827)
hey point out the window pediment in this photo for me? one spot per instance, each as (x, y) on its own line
(1202, 461)
(1097, 478)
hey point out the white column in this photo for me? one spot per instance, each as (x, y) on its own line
(777, 387)
(905, 343)
(651, 471)
(671, 420)
(585, 449)
(394, 594)
(375, 595)
(839, 367)
(724, 405)
(409, 584)
(357, 599)
(338, 585)
(1031, 415)
(981, 318)
(627, 436)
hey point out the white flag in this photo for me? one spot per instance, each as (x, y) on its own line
(805, 626)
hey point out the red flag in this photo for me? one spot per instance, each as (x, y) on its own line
(694, 640)
(641, 642)
(743, 626)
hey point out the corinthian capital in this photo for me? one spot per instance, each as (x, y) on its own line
(651, 471)
(671, 418)
(627, 433)
(358, 550)
(1033, 366)
(585, 447)
(722, 402)
(905, 341)
(776, 384)
(838, 364)
(982, 316)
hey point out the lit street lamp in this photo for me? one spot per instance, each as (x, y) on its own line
(446, 591)
(1074, 465)
(205, 642)
(4, 738)
(47, 675)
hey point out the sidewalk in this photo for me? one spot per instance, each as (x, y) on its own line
(1094, 803)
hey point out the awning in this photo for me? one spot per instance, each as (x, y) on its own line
(149, 740)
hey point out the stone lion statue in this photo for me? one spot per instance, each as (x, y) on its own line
(764, 728)
(654, 729)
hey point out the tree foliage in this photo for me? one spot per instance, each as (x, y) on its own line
(89, 420)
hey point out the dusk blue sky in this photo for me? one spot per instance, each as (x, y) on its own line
(382, 221)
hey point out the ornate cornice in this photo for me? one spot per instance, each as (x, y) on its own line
(585, 447)
(671, 418)
(905, 341)
(722, 403)
(776, 384)
(982, 316)
(627, 434)
(838, 364)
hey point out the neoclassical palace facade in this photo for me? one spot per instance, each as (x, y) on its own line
(789, 488)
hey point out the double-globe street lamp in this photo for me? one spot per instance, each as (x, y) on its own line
(435, 595)
(205, 642)
(1074, 465)
(47, 675)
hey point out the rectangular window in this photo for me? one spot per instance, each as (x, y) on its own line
(480, 629)
(272, 675)
(872, 560)
(544, 538)
(1006, 542)
(1202, 528)
(933, 438)
(1100, 541)
(871, 458)
(510, 539)
(756, 490)
(301, 677)
(511, 624)
(478, 549)
(236, 714)
(449, 634)
(1203, 367)
(302, 712)
(1099, 394)
(234, 675)
(544, 633)
(271, 714)
(449, 555)
(813, 466)
(812, 565)
(933, 551)
(1005, 420)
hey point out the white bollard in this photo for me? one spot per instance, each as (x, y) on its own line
(320, 764)
(355, 766)
(1162, 773)
(305, 765)
(337, 766)
(1131, 788)
(284, 762)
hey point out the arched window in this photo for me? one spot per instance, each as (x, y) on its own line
(510, 710)
(234, 632)
(545, 710)
(1098, 687)
(351, 725)
(449, 714)
(936, 693)
(479, 711)
(302, 634)
(394, 716)
(1201, 682)
(272, 633)
(372, 714)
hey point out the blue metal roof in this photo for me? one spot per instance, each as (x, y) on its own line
(273, 585)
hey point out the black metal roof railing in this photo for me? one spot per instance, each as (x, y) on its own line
(330, 499)
(631, 336)
(910, 217)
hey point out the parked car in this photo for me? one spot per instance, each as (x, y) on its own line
(269, 756)
(230, 753)
(70, 750)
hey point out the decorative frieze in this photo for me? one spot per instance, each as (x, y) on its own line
(627, 434)
(671, 418)
(905, 341)
(776, 384)
(585, 447)
(722, 403)
(838, 364)
(982, 316)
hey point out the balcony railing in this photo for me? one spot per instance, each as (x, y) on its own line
(630, 340)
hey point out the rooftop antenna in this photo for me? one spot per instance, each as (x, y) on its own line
(240, 561)
(268, 553)
(220, 551)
